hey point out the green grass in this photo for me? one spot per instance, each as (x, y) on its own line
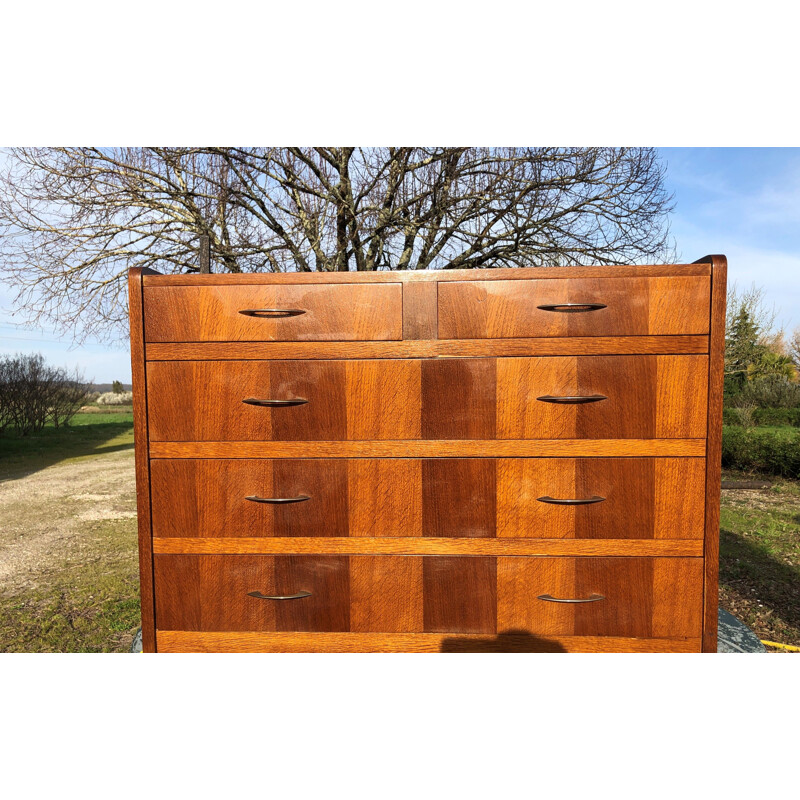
(760, 560)
(87, 435)
(90, 605)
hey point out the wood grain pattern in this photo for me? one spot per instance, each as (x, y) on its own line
(466, 348)
(644, 398)
(508, 448)
(644, 498)
(203, 312)
(459, 497)
(210, 592)
(462, 498)
(459, 594)
(434, 276)
(407, 545)
(714, 450)
(223, 642)
(633, 306)
(643, 597)
(419, 310)
(386, 594)
(139, 380)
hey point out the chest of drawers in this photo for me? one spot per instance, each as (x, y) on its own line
(494, 460)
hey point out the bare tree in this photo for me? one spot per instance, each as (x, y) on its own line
(73, 220)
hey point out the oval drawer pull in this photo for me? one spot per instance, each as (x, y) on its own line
(571, 308)
(570, 501)
(592, 598)
(278, 500)
(292, 401)
(272, 313)
(573, 399)
(297, 596)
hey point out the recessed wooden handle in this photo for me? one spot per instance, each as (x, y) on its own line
(297, 596)
(572, 308)
(278, 500)
(292, 401)
(576, 399)
(272, 313)
(592, 598)
(571, 501)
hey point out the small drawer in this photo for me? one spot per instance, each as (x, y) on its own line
(573, 307)
(274, 313)
(531, 498)
(628, 597)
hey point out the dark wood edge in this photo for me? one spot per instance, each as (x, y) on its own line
(699, 269)
(142, 455)
(716, 369)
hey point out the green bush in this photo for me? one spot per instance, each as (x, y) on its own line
(765, 416)
(761, 451)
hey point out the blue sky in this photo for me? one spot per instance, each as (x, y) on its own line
(743, 202)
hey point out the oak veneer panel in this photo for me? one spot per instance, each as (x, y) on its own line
(468, 348)
(644, 498)
(407, 545)
(643, 400)
(459, 398)
(540, 448)
(459, 497)
(386, 594)
(696, 269)
(460, 594)
(210, 592)
(225, 642)
(634, 306)
(202, 400)
(643, 597)
(331, 312)
(419, 310)
(207, 497)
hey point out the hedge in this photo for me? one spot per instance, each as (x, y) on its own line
(761, 451)
(765, 416)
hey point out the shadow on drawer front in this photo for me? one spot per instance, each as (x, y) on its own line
(584, 397)
(548, 498)
(630, 597)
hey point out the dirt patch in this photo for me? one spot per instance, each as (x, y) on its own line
(44, 513)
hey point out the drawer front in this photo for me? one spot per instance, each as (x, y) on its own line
(327, 312)
(635, 597)
(540, 498)
(573, 307)
(629, 397)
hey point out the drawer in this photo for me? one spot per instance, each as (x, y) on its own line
(583, 397)
(573, 307)
(629, 597)
(540, 498)
(278, 312)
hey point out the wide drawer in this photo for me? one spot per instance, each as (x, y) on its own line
(580, 397)
(573, 307)
(277, 312)
(544, 498)
(634, 597)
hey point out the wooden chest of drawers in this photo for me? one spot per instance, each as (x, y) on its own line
(494, 460)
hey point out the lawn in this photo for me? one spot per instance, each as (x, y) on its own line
(87, 435)
(70, 562)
